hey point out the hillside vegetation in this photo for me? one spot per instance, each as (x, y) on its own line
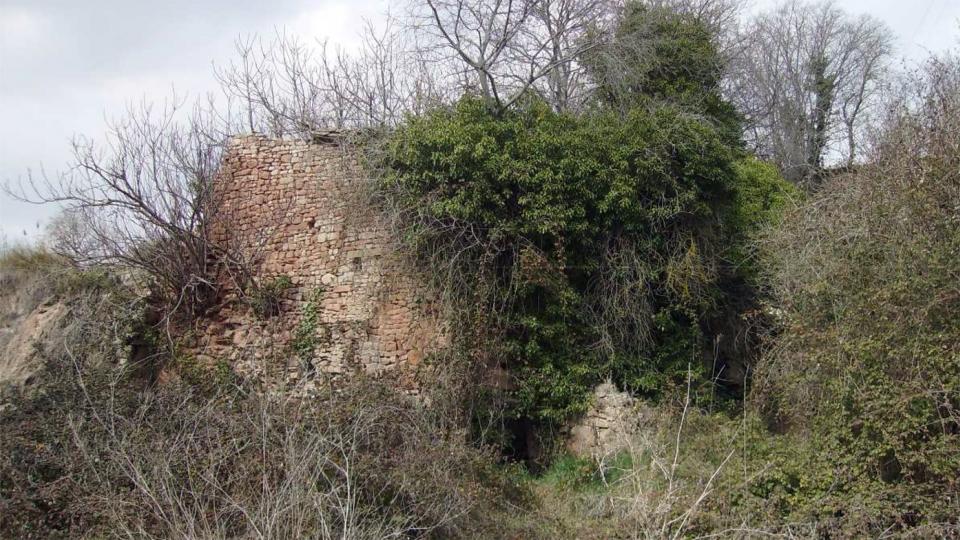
(867, 365)
(651, 198)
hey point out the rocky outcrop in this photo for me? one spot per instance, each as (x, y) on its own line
(27, 316)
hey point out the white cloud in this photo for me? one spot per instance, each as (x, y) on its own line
(66, 64)
(20, 27)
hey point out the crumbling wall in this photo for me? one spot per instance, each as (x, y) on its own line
(296, 209)
(607, 426)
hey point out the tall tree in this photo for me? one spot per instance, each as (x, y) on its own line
(559, 33)
(805, 80)
(664, 54)
(505, 48)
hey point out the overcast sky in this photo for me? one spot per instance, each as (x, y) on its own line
(66, 65)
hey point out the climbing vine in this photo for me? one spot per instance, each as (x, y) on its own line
(590, 246)
(305, 337)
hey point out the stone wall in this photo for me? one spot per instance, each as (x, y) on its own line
(606, 428)
(297, 209)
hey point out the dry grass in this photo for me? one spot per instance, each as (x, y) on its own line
(98, 449)
(670, 475)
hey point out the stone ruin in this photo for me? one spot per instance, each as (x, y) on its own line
(296, 211)
(608, 425)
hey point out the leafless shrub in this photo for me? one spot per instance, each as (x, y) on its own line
(902, 192)
(662, 499)
(286, 86)
(143, 199)
(99, 449)
(136, 460)
(865, 279)
(356, 465)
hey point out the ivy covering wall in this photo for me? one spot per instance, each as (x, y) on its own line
(590, 246)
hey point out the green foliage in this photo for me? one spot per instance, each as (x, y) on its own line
(306, 338)
(569, 472)
(762, 198)
(266, 300)
(580, 474)
(603, 245)
(658, 55)
(763, 195)
(528, 216)
(73, 281)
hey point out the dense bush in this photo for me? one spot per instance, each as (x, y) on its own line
(868, 361)
(94, 447)
(591, 246)
(97, 453)
(657, 54)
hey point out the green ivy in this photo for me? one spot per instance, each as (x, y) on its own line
(305, 337)
(521, 211)
(763, 196)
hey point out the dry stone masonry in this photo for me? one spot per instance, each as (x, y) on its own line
(296, 211)
(608, 425)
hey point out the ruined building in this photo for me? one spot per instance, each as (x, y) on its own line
(296, 211)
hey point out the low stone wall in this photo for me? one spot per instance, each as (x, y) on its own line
(296, 209)
(607, 426)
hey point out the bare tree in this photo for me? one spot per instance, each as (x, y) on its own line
(560, 31)
(505, 48)
(805, 81)
(479, 35)
(144, 198)
(869, 60)
(440, 50)
(277, 85)
(286, 86)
